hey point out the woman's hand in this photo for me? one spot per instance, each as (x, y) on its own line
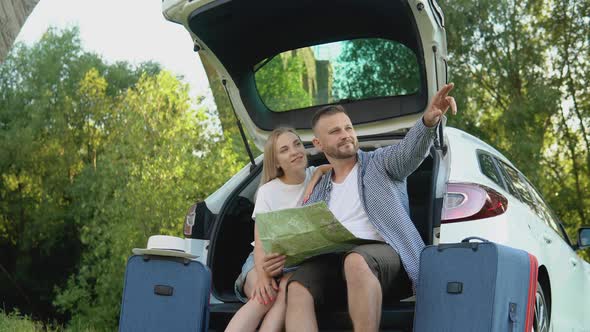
(273, 264)
(265, 290)
(315, 178)
(266, 287)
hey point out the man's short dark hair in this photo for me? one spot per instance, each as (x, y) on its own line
(326, 110)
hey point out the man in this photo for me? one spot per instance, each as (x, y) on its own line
(367, 193)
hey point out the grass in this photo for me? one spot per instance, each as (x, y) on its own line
(14, 321)
(17, 322)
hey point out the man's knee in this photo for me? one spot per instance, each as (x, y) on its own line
(296, 292)
(355, 267)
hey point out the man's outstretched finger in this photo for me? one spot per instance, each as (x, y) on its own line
(451, 101)
(448, 87)
(442, 93)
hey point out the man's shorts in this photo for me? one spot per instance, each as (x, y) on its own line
(323, 276)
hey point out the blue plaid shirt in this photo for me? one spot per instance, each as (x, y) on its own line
(383, 192)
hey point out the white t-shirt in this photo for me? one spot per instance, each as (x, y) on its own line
(345, 204)
(277, 195)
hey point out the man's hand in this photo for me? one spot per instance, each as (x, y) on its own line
(439, 105)
(315, 178)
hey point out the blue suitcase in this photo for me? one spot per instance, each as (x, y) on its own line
(475, 286)
(165, 294)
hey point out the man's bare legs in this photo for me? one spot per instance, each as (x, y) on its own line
(364, 294)
(250, 314)
(300, 309)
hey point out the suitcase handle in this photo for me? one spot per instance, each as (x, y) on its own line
(468, 239)
(182, 260)
(465, 243)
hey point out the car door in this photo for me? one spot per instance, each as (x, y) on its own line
(566, 271)
(550, 249)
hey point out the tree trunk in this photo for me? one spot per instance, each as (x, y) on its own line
(13, 14)
(571, 145)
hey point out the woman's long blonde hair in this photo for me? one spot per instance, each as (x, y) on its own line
(270, 168)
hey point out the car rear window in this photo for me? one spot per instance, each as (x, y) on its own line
(340, 71)
(516, 184)
(488, 168)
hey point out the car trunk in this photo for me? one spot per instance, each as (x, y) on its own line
(237, 38)
(233, 233)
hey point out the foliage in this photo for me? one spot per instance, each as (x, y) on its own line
(15, 321)
(521, 78)
(95, 158)
(375, 67)
(280, 83)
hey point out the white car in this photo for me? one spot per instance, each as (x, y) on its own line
(279, 61)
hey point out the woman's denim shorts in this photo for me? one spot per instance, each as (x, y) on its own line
(239, 284)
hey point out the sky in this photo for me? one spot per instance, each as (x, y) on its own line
(130, 30)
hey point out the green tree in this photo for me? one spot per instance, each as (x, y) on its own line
(568, 156)
(39, 157)
(280, 83)
(225, 114)
(94, 158)
(497, 56)
(521, 85)
(158, 154)
(369, 68)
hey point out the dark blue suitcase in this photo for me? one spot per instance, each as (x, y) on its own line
(475, 286)
(165, 294)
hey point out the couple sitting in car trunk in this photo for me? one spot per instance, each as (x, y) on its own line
(366, 192)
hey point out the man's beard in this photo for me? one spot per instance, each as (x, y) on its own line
(335, 153)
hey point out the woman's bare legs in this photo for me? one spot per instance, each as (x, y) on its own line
(275, 318)
(250, 314)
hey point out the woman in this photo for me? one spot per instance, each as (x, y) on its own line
(286, 181)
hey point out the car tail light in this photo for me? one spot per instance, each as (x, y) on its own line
(470, 201)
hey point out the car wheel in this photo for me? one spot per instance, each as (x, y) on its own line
(541, 321)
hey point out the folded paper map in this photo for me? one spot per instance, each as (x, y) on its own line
(304, 232)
